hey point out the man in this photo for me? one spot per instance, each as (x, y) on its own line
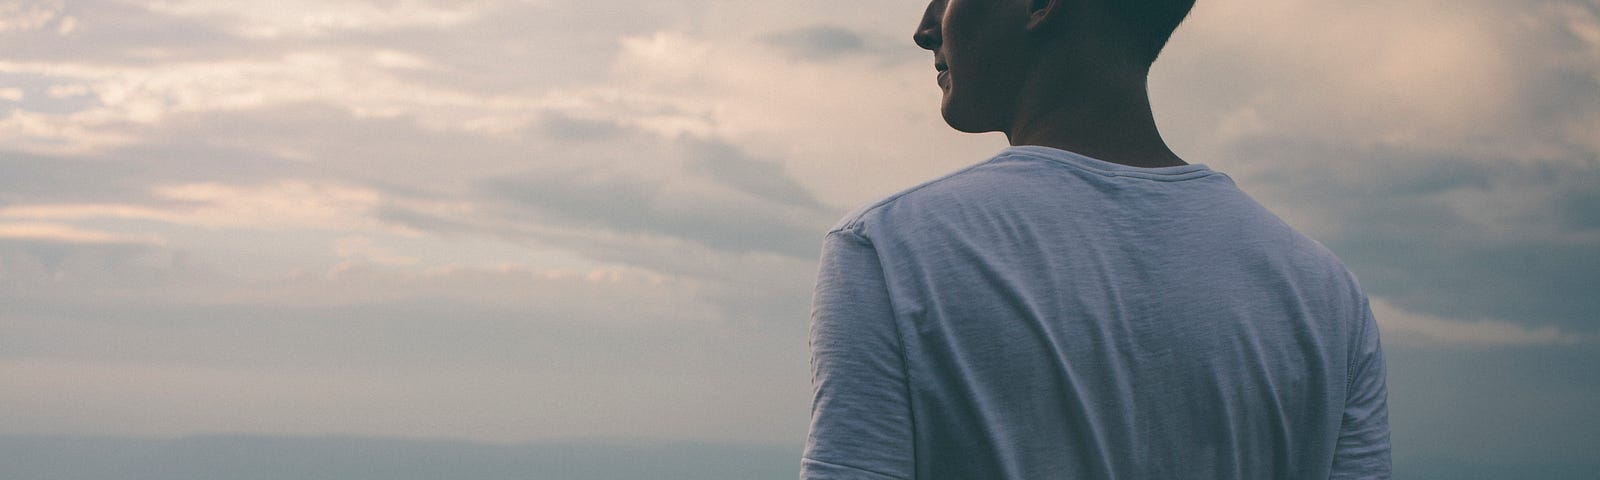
(1085, 304)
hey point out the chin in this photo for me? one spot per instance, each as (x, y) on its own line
(963, 121)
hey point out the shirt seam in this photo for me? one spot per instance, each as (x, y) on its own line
(855, 220)
(859, 469)
(1112, 172)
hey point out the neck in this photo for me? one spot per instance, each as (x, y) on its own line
(1104, 118)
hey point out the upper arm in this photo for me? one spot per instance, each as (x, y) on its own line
(1363, 449)
(860, 413)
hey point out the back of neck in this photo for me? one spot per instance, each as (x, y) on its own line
(1105, 118)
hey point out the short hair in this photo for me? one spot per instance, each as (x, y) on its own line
(1149, 23)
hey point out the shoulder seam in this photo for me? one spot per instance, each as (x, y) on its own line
(850, 231)
(855, 219)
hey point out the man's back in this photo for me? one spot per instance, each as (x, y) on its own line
(1047, 315)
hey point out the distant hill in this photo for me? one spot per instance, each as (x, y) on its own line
(251, 457)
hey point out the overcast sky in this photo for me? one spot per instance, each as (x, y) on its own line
(506, 221)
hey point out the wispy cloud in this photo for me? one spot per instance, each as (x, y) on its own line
(55, 232)
(274, 206)
(1403, 328)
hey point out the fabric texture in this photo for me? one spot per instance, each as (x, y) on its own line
(1046, 315)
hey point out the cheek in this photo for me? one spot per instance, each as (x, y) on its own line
(966, 21)
(983, 37)
(985, 63)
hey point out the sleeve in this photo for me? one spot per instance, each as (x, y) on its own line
(860, 415)
(1363, 448)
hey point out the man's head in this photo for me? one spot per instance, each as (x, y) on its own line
(986, 51)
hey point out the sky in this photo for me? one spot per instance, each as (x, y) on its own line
(506, 221)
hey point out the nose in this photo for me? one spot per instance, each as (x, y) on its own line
(928, 35)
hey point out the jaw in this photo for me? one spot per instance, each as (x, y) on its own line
(965, 121)
(969, 113)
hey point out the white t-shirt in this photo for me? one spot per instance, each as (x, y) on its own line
(1046, 315)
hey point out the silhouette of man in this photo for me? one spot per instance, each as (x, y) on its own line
(1084, 304)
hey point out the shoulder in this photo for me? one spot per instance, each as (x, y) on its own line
(1317, 269)
(971, 184)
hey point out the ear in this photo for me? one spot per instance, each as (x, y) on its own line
(1043, 13)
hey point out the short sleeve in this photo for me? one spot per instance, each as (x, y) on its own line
(860, 416)
(1363, 451)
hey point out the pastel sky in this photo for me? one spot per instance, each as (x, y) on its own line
(529, 220)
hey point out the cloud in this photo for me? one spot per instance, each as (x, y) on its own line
(598, 177)
(64, 265)
(364, 248)
(41, 178)
(1401, 327)
(524, 351)
(287, 204)
(133, 96)
(820, 42)
(569, 128)
(809, 115)
(26, 16)
(730, 166)
(666, 59)
(719, 218)
(114, 32)
(313, 19)
(51, 232)
(1489, 77)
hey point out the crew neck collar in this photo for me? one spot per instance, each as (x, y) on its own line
(1173, 173)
